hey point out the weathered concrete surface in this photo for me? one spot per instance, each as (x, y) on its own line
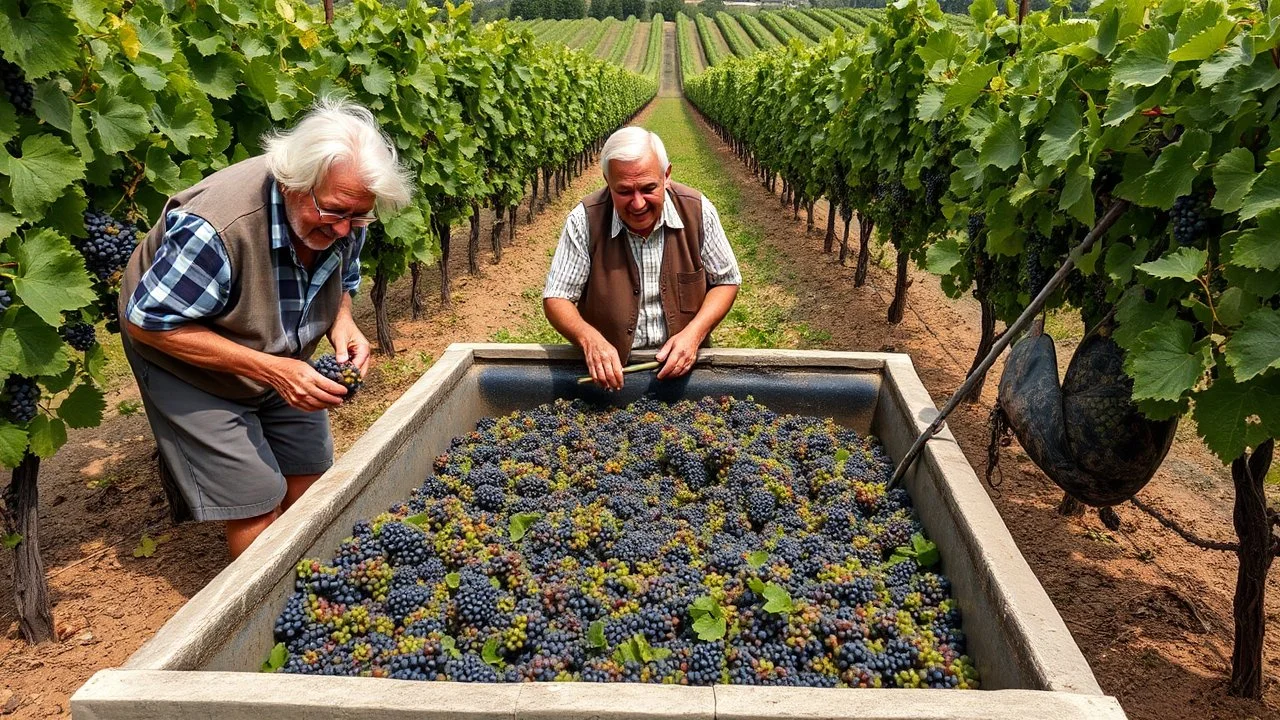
(735, 702)
(1016, 637)
(616, 701)
(167, 695)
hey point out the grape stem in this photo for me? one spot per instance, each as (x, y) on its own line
(1015, 330)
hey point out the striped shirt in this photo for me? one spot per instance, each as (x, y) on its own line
(572, 263)
(190, 276)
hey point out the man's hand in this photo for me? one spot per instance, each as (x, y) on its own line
(350, 344)
(678, 353)
(602, 359)
(300, 385)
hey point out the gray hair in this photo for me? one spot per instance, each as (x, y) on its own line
(333, 131)
(630, 144)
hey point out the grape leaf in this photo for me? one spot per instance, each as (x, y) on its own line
(757, 559)
(969, 85)
(453, 580)
(1264, 194)
(777, 599)
(1204, 44)
(46, 435)
(489, 653)
(121, 123)
(30, 347)
(1234, 305)
(83, 407)
(53, 106)
(278, 657)
(1163, 366)
(89, 12)
(13, 444)
(941, 258)
(377, 80)
(42, 41)
(449, 645)
(595, 635)
(46, 167)
(1060, 140)
(51, 277)
(1233, 177)
(520, 524)
(710, 628)
(756, 585)
(1185, 263)
(10, 540)
(1175, 169)
(420, 521)
(1255, 347)
(1147, 62)
(1221, 413)
(1259, 248)
(1003, 147)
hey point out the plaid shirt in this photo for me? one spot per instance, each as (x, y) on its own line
(572, 263)
(190, 276)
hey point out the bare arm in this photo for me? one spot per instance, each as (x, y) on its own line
(296, 381)
(602, 358)
(680, 350)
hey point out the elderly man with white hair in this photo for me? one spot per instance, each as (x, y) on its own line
(641, 263)
(229, 295)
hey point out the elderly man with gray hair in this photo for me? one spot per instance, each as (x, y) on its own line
(229, 295)
(641, 263)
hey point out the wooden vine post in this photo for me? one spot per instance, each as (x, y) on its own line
(1258, 548)
(21, 521)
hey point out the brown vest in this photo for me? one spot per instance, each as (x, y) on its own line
(236, 201)
(610, 302)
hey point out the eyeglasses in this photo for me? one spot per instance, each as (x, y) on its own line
(331, 218)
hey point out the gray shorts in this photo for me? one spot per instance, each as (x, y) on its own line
(229, 457)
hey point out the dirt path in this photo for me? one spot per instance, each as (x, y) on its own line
(639, 49)
(100, 493)
(1151, 613)
(671, 81)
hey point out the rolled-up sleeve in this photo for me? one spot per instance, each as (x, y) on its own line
(189, 278)
(572, 261)
(717, 256)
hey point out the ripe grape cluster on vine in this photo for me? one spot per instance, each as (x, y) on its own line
(21, 398)
(567, 543)
(20, 92)
(1190, 220)
(109, 244)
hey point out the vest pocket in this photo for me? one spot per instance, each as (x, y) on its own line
(691, 288)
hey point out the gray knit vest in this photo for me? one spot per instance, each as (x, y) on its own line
(236, 201)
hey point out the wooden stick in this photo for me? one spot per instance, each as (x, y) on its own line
(638, 367)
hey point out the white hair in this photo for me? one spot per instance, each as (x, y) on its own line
(631, 144)
(338, 131)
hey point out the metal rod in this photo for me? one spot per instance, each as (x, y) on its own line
(1013, 331)
(638, 367)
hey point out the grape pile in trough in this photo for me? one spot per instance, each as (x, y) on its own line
(695, 543)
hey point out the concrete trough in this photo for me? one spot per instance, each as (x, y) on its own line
(204, 661)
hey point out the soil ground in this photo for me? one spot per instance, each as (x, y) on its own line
(1151, 614)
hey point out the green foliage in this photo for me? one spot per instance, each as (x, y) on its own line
(137, 101)
(1035, 131)
(638, 650)
(921, 550)
(277, 659)
(710, 622)
(520, 524)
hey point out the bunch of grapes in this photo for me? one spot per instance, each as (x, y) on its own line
(551, 541)
(15, 84)
(1189, 216)
(1037, 275)
(109, 245)
(21, 395)
(977, 221)
(935, 184)
(5, 299)
(79, 335)
(345, 374)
